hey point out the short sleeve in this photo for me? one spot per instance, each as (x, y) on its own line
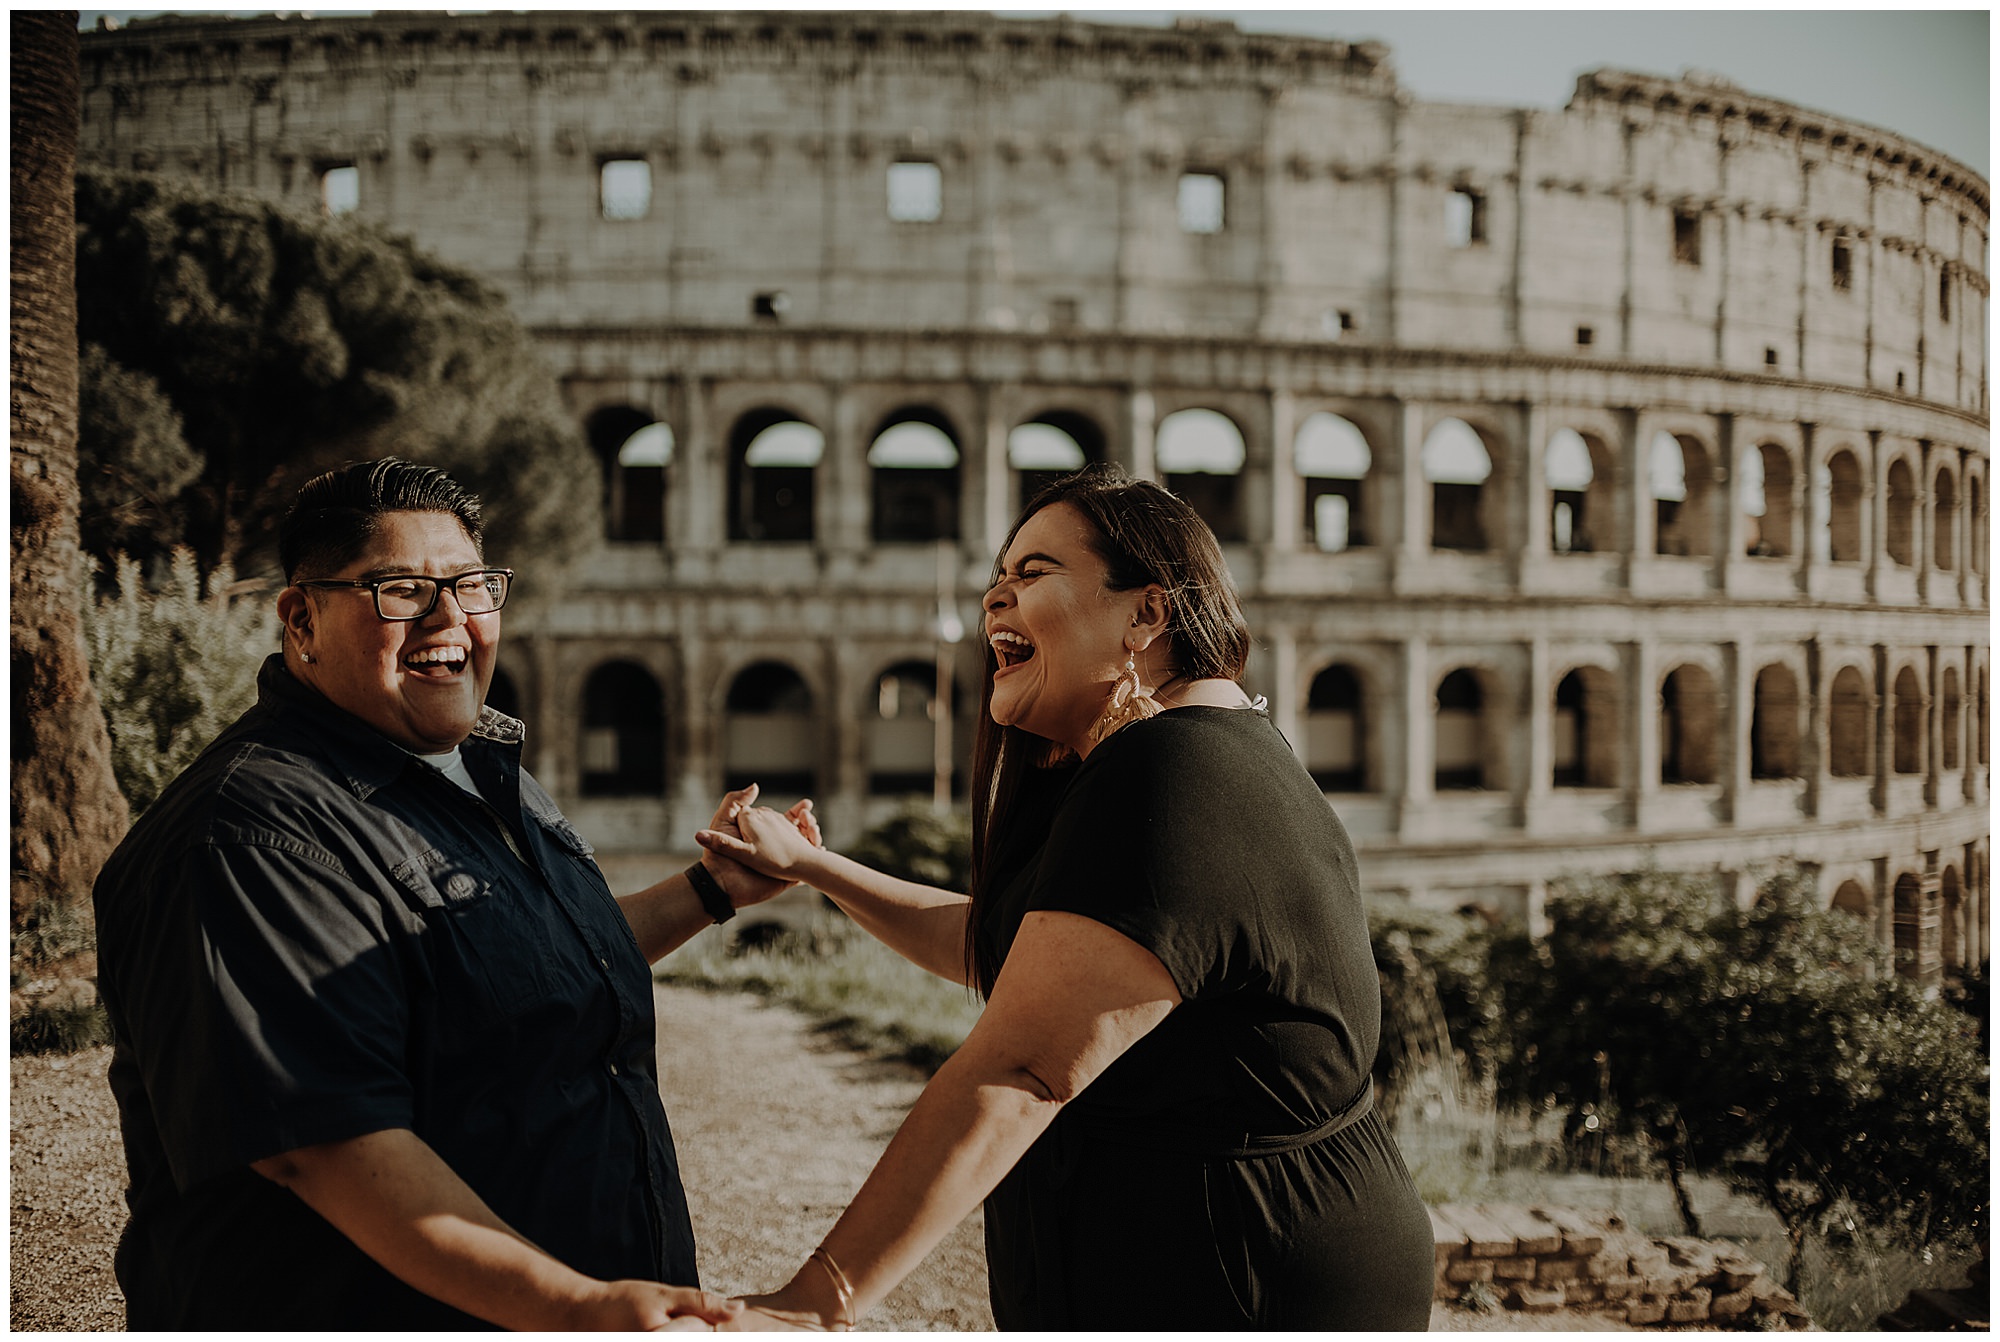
(270, 1012)
(1134, 846)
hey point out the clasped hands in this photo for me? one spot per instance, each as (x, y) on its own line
(746, 882)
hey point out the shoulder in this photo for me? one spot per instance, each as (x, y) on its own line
(1184, 746)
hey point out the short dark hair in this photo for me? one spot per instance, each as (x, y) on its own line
(336, 514)
(1145, 534)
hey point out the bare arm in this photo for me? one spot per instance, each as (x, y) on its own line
(1073, 996)
(667, 913)
(921, 923)
(392, 1195)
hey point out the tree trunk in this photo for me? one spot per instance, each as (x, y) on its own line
(67, 812)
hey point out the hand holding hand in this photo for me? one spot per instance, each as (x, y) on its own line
(744, 885)
(627, 1306)
(781, 847)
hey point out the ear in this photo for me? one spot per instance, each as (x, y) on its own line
(295, 616)
(1149, 617)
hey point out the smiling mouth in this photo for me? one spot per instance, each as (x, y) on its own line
(1011, 649)
(437, 663)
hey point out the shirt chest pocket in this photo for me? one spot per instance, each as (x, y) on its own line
(483, 939)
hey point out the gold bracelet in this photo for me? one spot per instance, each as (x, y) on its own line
(843, 1289)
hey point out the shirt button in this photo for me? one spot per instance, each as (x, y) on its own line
(614, 1068)
(603, 963)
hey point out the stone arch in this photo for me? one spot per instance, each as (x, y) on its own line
(1916, 929)
(769, 735)
(1200, 455)
(1849, 752)
(1681, 473)
(1337, 730)
(1333, 459)
(1049, 446)
(1912, 723)
(1899, 532)
(1457, 462)
(900, 723)
(914, 465)
(1765, 495)
(1689, 725)
(1844, 494)
(1582, 479)
(774, 458)
(1774, 723)
(623, 749)
(1584, 753)
(633, 449)
(1953, 715)
(1944, 515)
(1459, 757)
(1852, 898)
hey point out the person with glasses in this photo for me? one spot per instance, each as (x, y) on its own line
(383, 1041)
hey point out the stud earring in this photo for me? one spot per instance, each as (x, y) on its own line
(1130, 702)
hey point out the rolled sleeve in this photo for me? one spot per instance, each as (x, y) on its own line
(277, 1013)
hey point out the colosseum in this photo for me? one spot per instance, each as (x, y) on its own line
(1607, 485)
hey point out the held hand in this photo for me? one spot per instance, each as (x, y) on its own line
(743, 885)
(780, 846)
(647, 1306)
(769, 1319)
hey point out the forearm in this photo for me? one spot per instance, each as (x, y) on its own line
(397, 1200)
(921, 923)
(664, 915)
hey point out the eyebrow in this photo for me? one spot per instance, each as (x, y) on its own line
(391, 571)
(1036, 558)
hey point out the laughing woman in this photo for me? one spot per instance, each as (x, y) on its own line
(1165, 1104)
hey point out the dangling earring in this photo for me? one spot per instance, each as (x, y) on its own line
(1130, 702)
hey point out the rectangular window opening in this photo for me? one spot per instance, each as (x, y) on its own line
(625, 188)
(1944, 295)
(1843, 264)
(916, 192)
(771, 306)
(339, 188)
(1687, 237)
(1770, 356)
(1586, 335)
(1464, 217)
(1201, 202)
(1064, 314)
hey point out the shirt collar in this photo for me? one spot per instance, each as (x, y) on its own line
(368, 759)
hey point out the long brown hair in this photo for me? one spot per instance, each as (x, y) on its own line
(1145, 535)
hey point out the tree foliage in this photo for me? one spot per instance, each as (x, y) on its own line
(232, 349)
(920, 844)
(1769, 1043)
(174, 665)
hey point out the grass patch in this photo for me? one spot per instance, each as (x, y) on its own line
(47, 1027)
(845, 979)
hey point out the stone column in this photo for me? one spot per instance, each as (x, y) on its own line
(1412, 496)
(1419, 731)
(1260, 463)
(1530, 545)
(703, 723)
(1287, 701)
(1806, 504)
(842, 500)
(1885, 729)
(846, 741)
(1536, 789)
(698, 497)
(1813, 749)
(553, 741)
(1284, 489)
(1874, 509)
(1739, 665)
(1727, 531)
(1641, 669)
(986, 507)
(1141, 420)
(1925, 538)
(1640, 516)
(1934, 725)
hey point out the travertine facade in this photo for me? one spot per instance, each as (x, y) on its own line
(1606, 485)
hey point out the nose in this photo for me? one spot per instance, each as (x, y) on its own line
(997, 596)
(445, 612)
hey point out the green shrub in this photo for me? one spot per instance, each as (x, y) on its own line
(920, 844)
(50, 931)
(173, 663)
(49, 1027)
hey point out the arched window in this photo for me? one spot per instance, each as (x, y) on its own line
(1336, 731)
(914, 461)
(1200, 457)
(1912, 741)
(1853, 899)
(1954, 718)
(1679, 473)
(1900, 532)
(1574, 506)
(1843, 510)
(1916, 929)
(1460, 755)
(1585, 750)
(768, 735)
(773, 459)
(1764, 491)
(901, 726)
(624, 746)
(501, 696)
(1774, 724)
(1332, 458)
(633, 449)
(1848, 753)
(1944, 513)
(1050, 446)
(1456, 465)
(1687, 726)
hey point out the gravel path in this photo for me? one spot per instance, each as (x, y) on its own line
(776, 1126)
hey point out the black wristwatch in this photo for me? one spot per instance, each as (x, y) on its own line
(709, 890)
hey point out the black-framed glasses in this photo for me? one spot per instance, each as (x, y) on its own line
(411, 596)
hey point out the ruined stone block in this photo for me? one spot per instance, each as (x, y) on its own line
(1690, 1306)
(1619, 1286)
(1468, 1270)
(1532, 1235)
(1582, 1236)
(1483, 1237)
(1582, 1293)
(1549, 1270)
(1645, 1309)
(1536, 1300)
(1730, 1306)
(1513, 1269)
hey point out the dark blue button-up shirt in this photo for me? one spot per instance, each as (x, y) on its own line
(313, 935)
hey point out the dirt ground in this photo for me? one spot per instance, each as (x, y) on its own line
(776, 1126)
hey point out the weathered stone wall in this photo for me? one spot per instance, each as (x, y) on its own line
(1785, 294)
